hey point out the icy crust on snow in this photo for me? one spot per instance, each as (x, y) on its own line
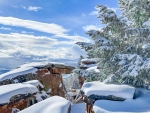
(131, 64)
(7, 91)
(35, 83)
(17, 72)
(138, 105)
(53, 104)
(100, 88)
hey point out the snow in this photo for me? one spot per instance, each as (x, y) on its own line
(43, 64)
(147, 23)
(15, 110)
(35, 83)
(53, 104)
(138, 105)
(89, 60)
(35, 64)
(78, 108)
(66, 76)
(99, 39)
(146, 46)
(60, 85)
(131, 64)
(7, 91)
(106, 48)
(88, 65)
(39, 96)
(100, 88)
(16, 72)
(94, 68)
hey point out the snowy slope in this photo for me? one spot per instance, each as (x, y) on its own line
(100, 88)
(53, 104)
(7, 91)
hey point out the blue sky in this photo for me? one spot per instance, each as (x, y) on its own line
(47, 29)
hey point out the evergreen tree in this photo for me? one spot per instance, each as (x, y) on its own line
(122, 46)
(79, 62)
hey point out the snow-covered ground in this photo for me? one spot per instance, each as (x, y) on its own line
(78, 108)
(53, 104)
(139, 105)
(100, 88)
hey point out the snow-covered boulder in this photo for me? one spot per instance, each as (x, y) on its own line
(16, 72)
(7, 91)
(53, 104)
(100, 88)
(139, 105)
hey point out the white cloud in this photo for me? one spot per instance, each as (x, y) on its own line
(31, 40)
(91, 27)
(51, 28)
(25, 46)
(5, 28)
(28, 47)
(34, 25)
(33, 8)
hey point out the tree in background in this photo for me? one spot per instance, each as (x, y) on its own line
(122, 46)
(79, 62)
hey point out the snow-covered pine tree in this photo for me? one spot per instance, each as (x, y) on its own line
(106, 41)
(133, 61)
(123, 44)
